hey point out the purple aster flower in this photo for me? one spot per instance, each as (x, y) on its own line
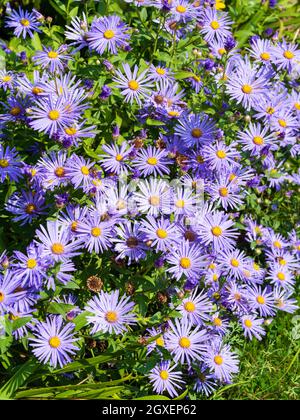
(283, 300)
(115, 160)
(94, 233)
(252, 326)
(196, 307)
(183, 10)
(23, 23)
(255, 138)
(225, 192)
(76, 132)
(206, 383)
(8, 294)
(158, 73)
(196, 129)
(53, 342)
(107, 32)
(34, 88)
(153, 197)
(229, 43)
(152, 161)
(50, 114)
(56, 241)
(110, 314)
(7, 79)
(163, 378)
(215, 25)
(52, 60)
(280, 276)
(134, 87)
(160, 232)
(77, 32)
(52, 170)
(79, 171)
(129, 241)
(261, 300)
(10, 165)
(157, 343)
(185, 344)
(221, 361)
(30, 268)
(246, 85)
(219, 156)
(286, 55)
(262, 51)
(186, 260)
(26, 205)
(105, 92)
(219, 325)
(216, 229)
(71, 216)
(233, 263)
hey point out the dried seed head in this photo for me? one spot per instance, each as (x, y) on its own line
(162, 297)
(94, 284)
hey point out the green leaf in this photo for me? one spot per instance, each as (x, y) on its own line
(59, 308)
(183, 75)
(59, 7)
(181, 396)
(18, 379)
(154, 122)
(80, 321)
(18, 323)
(153, 397)
(36, 42)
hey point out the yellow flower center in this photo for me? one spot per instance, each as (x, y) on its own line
(173, 113)
(212, 266)
(221, 154)
(218, 360)
(15, 110)
(13, 317)
(53, 114)
(162, 233)
(24, 22)
(36, 90)
(152, 161)
(185, 342)
(258, 140)
(219, 5)
(180, 204)
(85, 170)
(256, 267)
(215, 24)
(58, 248)
(260, 299)
(297, 105)
(277, 244)
(234, 262)
(109, 34)
(218, 322)
(119, 158)
(52, 54)
(164, 375)
(96, 231)
(197, 133)
(70, 131)
(282, 123)
(133, 85)
(180, 8)
(248, 323)
(281, 276)
(31, 263)
(185, 262)
(30, 208)
(60, 171)
(215, 277)
(74, 226)
(111, 316)
(216, 231)
(6, 78)
(160, 71)
(221, 51)
(270, 110)
(282, 261)
(54, 342)
(288, 54)
(223, 192)
(160, 342)
(265, 56)
(4, 163)
(154, 200)
(247, 89)
(189, 306)
(2, 297)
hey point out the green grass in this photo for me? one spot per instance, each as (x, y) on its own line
(270, 369)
